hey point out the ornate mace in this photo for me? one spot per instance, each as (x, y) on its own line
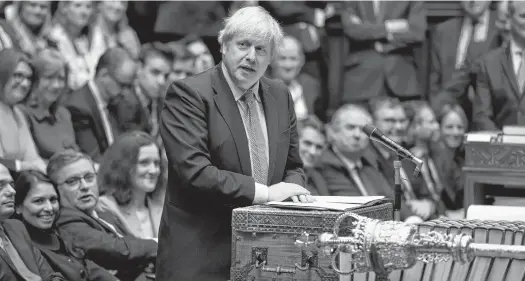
(384, 246)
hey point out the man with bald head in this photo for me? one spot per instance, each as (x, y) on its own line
(19, 259)
(93, 107)
(287, 65)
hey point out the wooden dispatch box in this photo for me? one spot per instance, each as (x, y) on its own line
(263, 233)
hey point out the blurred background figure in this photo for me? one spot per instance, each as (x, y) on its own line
(286, 66)
(49, 121)
(18, 151)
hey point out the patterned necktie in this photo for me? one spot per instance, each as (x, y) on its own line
(255, 137)
(354, 173)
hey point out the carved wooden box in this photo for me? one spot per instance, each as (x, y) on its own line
(495, 155)
(263, 242)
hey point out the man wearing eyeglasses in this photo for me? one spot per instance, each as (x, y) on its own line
(93, 107)
(99, 234)
(19, 259)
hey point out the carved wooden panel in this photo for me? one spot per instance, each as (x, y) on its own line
(495, 156)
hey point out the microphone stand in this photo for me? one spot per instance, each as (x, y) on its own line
(397, 188)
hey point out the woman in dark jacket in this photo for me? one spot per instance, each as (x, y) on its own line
(37, 206)
(453, 126)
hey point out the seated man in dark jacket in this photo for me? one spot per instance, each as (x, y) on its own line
(19, 259)
(104, 240)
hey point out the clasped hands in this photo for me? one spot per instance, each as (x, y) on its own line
(284, 190)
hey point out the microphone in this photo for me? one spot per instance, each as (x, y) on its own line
(376, 135)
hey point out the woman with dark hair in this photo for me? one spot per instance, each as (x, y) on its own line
(453, 126)
(129, 175)
(37, 206)
(17, 147)
(49, 122)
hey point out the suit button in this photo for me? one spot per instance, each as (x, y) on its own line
(69, 260)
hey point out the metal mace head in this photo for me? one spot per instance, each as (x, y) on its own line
(383, 246)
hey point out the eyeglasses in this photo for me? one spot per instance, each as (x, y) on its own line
(19, 77)
(74, 182)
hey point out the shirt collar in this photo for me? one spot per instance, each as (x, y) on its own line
(237, 92)
(514, 48)
(350, 164)
(482, 20)
(144, 100)
(40, 114)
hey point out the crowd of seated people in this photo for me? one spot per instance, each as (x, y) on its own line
(82, 96)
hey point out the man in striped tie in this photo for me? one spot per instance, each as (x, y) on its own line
(231, 140)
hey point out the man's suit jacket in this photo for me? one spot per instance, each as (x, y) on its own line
(498, 101)
(311, 90)
(448, 85)
(367, 72)
(31, 256)
(87, 123)
(210, 171)
(102, 245)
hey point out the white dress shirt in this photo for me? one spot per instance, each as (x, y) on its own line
(296, 90)
(480, 35)
(261, 191)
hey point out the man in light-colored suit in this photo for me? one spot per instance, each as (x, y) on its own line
(231, 141)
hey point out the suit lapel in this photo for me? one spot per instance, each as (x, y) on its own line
(13, 237)
(508, 69)
(99, 125)
(230, 112)
(272, 125)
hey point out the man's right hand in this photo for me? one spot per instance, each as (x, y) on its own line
(397, 26)
(283, 190)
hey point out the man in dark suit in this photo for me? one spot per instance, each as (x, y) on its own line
(19, 259)
(99, 234)
(231, 140)
(501, 79)
(304, 88)
(92, 107)
(391, 119)
(380, 60)
(456, 43)
(147, 95)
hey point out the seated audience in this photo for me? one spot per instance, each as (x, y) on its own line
(423, 132)
(93, 108)
(346, 168)
(102, 237)
(451, 156)
(20, 259)
(501, 79)
(312, 144)
(112, 22)
(37, 206)
(391, 119)
(128, 176)
(31, 21)
(80, 44)
(50, 122)
(287, 66)
(18, 151)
